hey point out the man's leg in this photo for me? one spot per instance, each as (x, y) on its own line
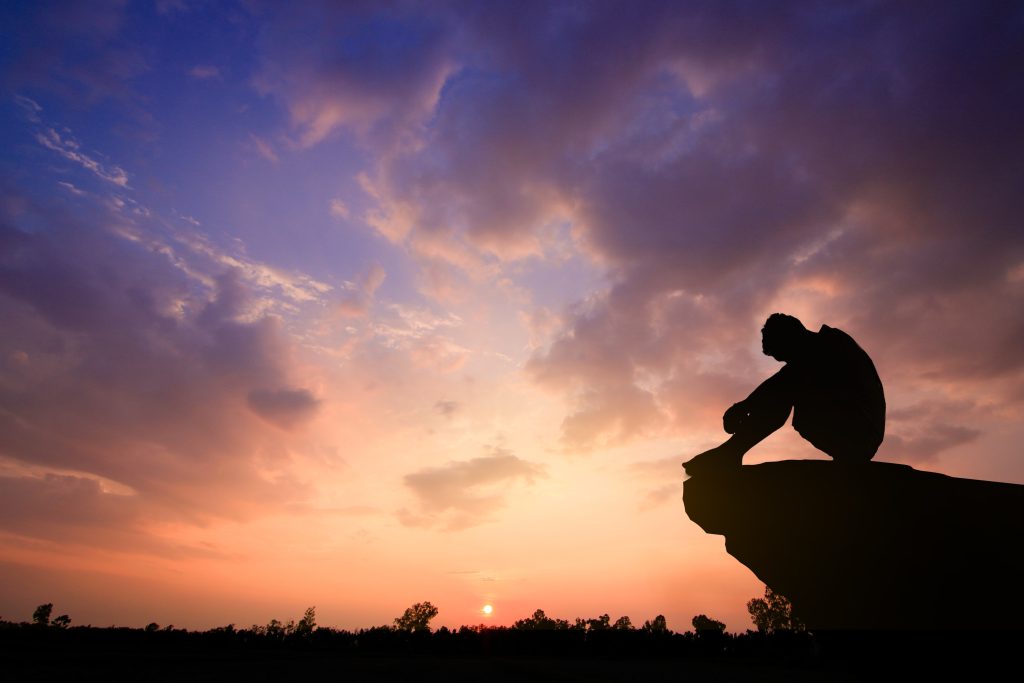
(844, 438)
(767, 409)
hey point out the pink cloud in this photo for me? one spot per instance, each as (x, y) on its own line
(465, 493)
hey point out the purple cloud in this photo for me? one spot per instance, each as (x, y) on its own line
(283, 407)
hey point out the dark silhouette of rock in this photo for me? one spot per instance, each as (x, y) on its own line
(872, 545)
(829, 384)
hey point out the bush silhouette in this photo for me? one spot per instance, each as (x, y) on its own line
(307, 623)
(539, 621)
(657, 625)
(41, 617)
(773, 613)
(416, 619)
(705, 624)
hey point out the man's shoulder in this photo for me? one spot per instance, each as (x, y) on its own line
(833, 333)
(834, 338)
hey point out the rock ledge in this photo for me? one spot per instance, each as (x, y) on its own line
(879, 545)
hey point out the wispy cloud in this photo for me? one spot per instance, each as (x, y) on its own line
(204, 72)
(356, 303)
(339, 209)
(70, 187)
(30, 107)
(298, 287)
(70, 149)
(264, 148)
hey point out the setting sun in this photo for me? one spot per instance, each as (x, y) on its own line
(487, 609)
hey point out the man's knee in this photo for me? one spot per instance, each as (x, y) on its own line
(767, 417)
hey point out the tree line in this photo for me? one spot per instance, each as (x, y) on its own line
(779, 640)
(412, 632)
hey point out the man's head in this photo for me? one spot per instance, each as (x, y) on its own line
(783, 336)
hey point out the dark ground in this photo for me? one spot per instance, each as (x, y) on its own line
(122, 666)
(39, 652)
(126, 655)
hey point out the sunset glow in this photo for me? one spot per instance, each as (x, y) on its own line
(359, 305)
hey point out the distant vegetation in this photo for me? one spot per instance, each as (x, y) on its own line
(411, 632)
(772, 613)
(536, 647)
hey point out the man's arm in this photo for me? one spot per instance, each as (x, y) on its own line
(771, 396)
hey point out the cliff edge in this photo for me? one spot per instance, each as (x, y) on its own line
(877, 545)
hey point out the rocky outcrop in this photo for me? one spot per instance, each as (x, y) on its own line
(876, 545)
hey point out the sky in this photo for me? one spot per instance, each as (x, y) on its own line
(357, 305)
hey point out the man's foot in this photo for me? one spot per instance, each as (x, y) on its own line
(716, 461)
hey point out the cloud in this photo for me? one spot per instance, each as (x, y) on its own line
(204, 72)
(921, 431)
(661, 495)
(339, 209)
(660, 481)
(132, 370)
(930, 441)
(375, 71)
(438, 353)
(30, 107)
(465, 493)
(77, 511)
(356, 304)
(717, 161)
(264, 148)
(297, 287)
(720, 162)
(71, 188)
(446, 408)
(284, 407)
(70, 149)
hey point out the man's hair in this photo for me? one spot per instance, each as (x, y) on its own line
(783, 324)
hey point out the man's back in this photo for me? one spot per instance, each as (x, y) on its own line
(839, 404)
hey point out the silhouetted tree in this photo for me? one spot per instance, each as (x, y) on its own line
(41, 617)
(705, 624)
(307, 623)
(152, 627)
(623, 624)
(657, 625)
(602, 623)
(416, 618)
(63, 621)
(539, 621)
(274, 629)
(773, 613)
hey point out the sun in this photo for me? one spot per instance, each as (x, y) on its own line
(487, 609)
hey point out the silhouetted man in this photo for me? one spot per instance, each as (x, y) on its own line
(829, 383)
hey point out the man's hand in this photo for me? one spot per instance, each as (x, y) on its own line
(734, 417)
